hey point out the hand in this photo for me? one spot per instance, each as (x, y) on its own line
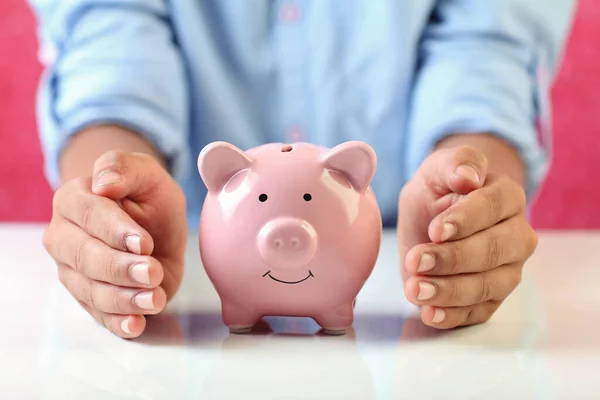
(119, 240)
(463, 236)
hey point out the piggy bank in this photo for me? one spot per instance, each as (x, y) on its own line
(289, 230)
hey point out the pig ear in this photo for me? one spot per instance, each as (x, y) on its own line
(218, 162)
(355, 160)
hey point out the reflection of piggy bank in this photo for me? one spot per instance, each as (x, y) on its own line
(289, 230)
(312, 367)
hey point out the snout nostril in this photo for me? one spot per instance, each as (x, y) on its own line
(287, 243)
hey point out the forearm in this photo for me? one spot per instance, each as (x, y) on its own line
(502, 157)
(478, 73)
(104, 70)
(77, 159)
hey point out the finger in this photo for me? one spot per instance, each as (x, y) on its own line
(417, 205)
(448, 318)
(459, 170)
(507, 242)
(109, 298)
(118, 175)
(99, 262)
(464, 289)
(125, 326)
(102, 218)
(411, 202)
(499, 199)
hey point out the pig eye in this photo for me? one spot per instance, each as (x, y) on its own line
(262, 198)
(307, 197)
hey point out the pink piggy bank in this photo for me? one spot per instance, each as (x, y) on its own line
(289, 230)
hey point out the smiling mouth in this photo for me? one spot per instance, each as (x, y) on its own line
(268, 273)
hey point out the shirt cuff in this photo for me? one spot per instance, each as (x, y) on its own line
(158, 129)
(493, 95)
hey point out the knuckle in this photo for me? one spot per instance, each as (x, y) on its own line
(456, 259)
(466, 317)
(88, 210)
(486, 311)
(454, 294)
(61, 195)
(79, 255)
(88, 293)
(484, 289)
(63, 276)
(81, 184)
(104, 320)
(532, 241)
(514, 278)
(69, 191)
(516, 281)
(115, 298)
(494, 251)
(515, 192)
(57, 199)
(47, 239)
(112, 269)
(481, 318)
(494, 204)
(519, 194)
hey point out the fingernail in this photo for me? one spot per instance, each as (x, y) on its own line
(140, 273)
(438, 316)
(427, 263)
(107, 177)
(144, 300)
(426, 291)
(133, 243)
(125, 325)
(448, 230)
(467, 172)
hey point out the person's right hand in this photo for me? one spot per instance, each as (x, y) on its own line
(119, 240)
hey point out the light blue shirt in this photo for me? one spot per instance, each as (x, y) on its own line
(397, 74)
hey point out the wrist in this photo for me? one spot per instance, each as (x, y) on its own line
(503, 157)
(84, 148)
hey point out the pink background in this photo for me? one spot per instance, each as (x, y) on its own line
(570, 198)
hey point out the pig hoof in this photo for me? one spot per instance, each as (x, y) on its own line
(240, 329)
(334, 332)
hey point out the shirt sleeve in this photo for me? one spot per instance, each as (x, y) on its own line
(487, 66)
(110, 62)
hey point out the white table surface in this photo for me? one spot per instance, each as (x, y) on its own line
(543, 343)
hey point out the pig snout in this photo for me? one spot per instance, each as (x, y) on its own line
(287, 243)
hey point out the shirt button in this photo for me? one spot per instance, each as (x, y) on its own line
(290, 13)
(47, 54)
(295, 135)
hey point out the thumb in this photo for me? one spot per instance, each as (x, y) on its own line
(119, 174)
(454, 170)
(440, 180)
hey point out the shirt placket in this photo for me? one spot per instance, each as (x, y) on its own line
(291, 57)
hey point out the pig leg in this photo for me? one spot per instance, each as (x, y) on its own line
(336, 321)
(238, 319)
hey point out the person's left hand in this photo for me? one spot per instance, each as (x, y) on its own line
(463, 237)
